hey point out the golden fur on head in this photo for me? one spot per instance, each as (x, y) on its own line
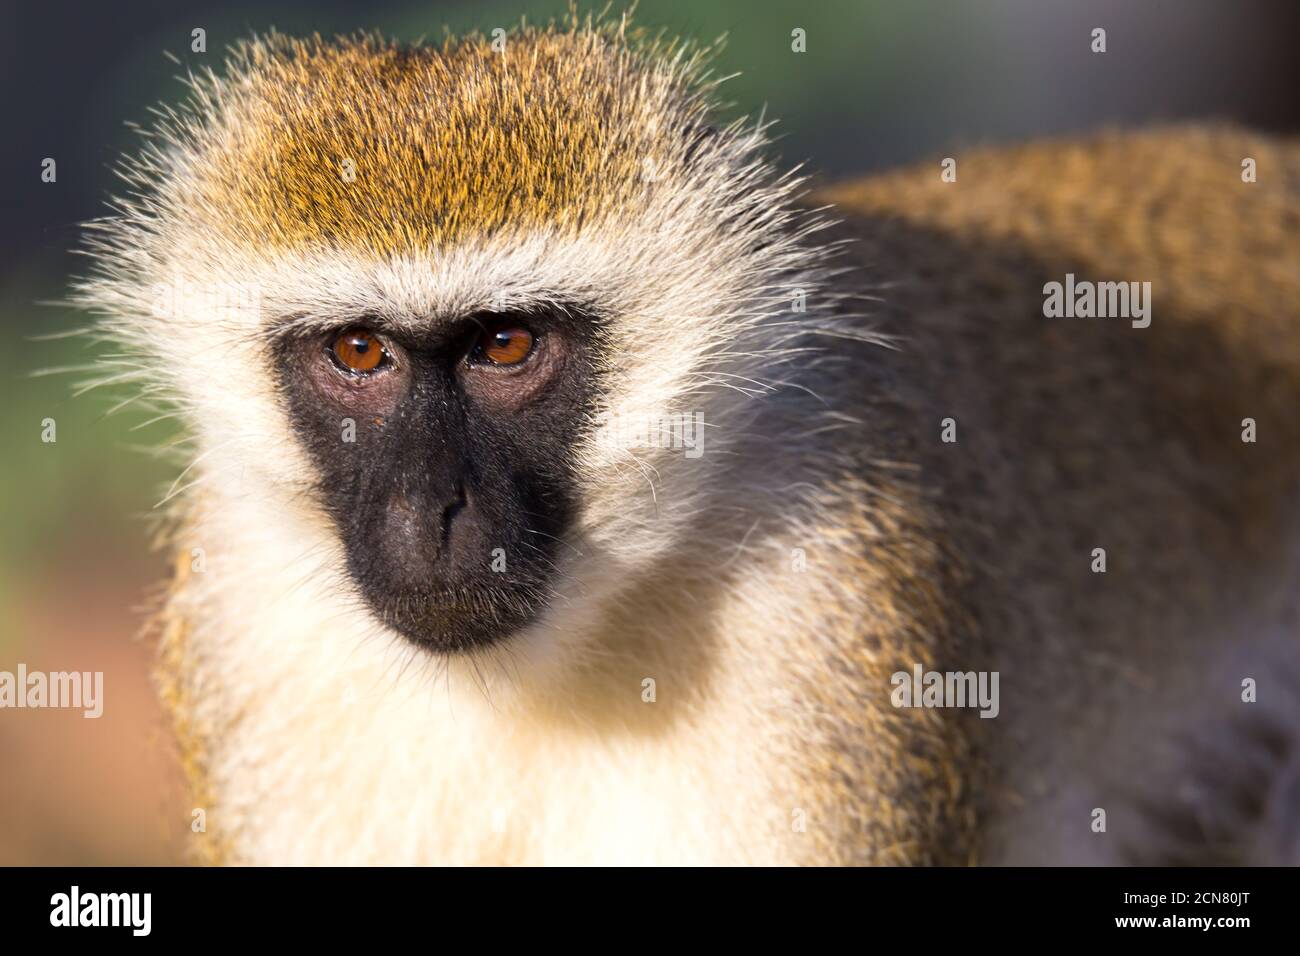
(366, 143)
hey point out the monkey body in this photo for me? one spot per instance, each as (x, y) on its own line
(1096, 433)
(706, 676)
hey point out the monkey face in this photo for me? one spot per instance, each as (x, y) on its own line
(443, 458)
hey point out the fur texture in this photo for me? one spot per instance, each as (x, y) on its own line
(823, 541)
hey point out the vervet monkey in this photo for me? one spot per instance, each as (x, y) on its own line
(569, 485)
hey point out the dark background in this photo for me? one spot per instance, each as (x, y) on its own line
(881, 83)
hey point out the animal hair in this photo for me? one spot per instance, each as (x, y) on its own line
(583, 167)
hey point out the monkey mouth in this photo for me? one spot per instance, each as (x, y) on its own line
(460, 617)
(462, 586)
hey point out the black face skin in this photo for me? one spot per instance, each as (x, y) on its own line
(455, 455)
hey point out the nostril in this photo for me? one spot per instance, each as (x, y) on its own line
(449, 514)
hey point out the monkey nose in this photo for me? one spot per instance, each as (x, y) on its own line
(424, 526)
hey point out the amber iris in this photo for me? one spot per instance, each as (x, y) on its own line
(358, 351)
(506, 344)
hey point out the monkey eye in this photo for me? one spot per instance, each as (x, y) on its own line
(358, 351)
(502, 343)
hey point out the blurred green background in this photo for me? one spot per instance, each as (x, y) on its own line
(881, 83)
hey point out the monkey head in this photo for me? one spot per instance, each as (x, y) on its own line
(447, 314)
